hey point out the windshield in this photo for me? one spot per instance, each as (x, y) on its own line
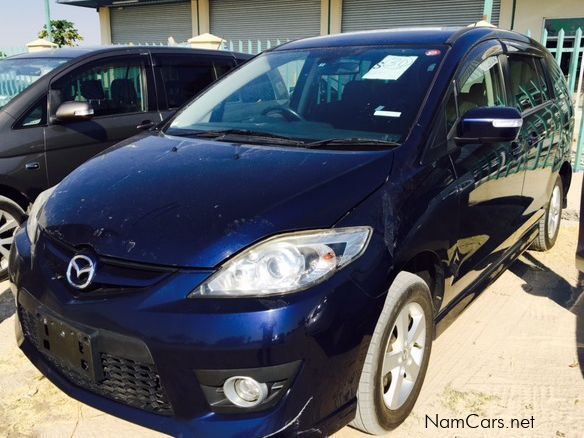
(317, 95)
(16, 75)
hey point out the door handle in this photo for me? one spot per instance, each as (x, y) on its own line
(145, 124)
(35, 165)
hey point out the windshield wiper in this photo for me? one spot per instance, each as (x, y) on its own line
(351, 142)
(222, 134)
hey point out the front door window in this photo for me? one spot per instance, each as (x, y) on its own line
(481, 87)
(113, 87)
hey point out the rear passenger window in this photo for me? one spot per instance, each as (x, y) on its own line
(559, 82)
(527, 82)
(184, 76)
(481, 86)
(114, 87)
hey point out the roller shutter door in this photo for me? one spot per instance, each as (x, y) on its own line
(151, 23)
(264, 19)
(379, 14)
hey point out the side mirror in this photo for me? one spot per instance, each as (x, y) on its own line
(68, 111)
(489, 125)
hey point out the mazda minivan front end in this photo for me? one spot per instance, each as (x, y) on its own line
(223, 276)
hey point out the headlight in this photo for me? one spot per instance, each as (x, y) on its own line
(286, 263)
(32, 224)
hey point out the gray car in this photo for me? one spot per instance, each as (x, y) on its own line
(59, 108)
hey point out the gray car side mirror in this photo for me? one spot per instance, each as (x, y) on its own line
(68, 111)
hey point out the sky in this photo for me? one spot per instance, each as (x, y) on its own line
(21, 20)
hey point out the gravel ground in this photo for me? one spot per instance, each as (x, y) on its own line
(512, 354)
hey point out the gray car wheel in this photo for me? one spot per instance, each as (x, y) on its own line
(397, 358)
(549, 223)
(11, 216)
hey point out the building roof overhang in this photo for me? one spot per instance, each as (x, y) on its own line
(101, 3)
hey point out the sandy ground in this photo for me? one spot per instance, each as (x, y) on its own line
(512, 354)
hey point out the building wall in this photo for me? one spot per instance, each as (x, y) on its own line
(105, 26)
(530, 14)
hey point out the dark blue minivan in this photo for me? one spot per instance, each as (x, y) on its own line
(278, 258)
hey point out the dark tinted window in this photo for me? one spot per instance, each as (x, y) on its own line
(527, 82)
(223, 66)
(563, 99)
(114, 87)
(559, 82)
(35, 116)
(184, 76)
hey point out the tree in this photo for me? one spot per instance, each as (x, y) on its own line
(64, 33)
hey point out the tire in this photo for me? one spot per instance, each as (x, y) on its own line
(549, 223)
(11, 216)
(377, 411)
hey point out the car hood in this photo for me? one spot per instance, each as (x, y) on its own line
(192, 203)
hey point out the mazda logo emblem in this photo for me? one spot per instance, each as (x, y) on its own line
(80, 271)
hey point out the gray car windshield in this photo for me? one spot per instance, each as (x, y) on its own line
(317, 96)
(16, 75)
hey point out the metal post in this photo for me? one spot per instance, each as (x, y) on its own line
(579, 86)
(560, 49)
(574, 62)
(513, 14)
(48, 21)
(580, 143)
(544, 38)
(488, 10)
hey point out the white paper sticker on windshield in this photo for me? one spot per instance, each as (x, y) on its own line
(380, 112)
(390, 68)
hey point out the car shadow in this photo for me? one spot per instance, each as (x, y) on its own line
(7, 306)
(543, 282)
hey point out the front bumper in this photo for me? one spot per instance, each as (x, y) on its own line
(171, 348)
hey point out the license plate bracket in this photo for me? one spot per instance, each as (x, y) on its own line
(68, 345)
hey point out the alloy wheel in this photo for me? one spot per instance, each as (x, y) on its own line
(403, 355)
(555, 210)
(8, 226)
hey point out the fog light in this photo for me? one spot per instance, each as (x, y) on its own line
(244, 391)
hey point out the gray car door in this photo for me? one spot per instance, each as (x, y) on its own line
(120, 90)
(22, 156)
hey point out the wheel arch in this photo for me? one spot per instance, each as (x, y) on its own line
(15, 196)
(426, 265)
(566, 176)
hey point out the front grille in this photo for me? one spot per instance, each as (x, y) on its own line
(134, 383)
(112, 276)
(124, 380)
